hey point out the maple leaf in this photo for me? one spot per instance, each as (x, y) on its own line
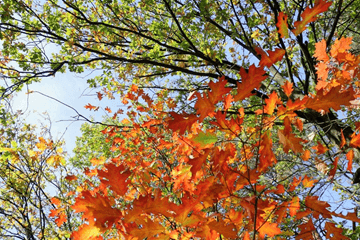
(71, 178)
(181, 122)
(269, 229)
(116, 178)
(332, 99)
(233, 125)
(282, 25)
(250, 80)
(271, 57)
(320, 51)
(267, 157)
(108, 109)
(148, 229)
(197, 162)
(309, 15)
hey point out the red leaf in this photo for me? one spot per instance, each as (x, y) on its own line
(98, 211)
(116, 178)
(290, 141)
(332, 232)
(182, 122)
(91, 107)
(318, 207)
(271, 103)
(332, 99)
(350, 156)
(250, 80)
(218, 90)
(320, 149)
(309, 15)
(288, 88)
(204, 106)
(333, 170)
(294, 206)
(108, 109)
(273, 57)
(282, 25)
(71, 178)
(99, 95)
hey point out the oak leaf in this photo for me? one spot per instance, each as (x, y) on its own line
(115, 177)
(282, 25)
(250, 80)
(271, 57)
(181, 122)
(320, 51)
(309, 15)
(332, 99)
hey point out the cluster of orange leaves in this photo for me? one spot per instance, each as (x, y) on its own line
(175, 179)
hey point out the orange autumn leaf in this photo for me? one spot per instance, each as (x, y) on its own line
(271, 103)
(318, 207)
(288, 88)
(99, 95)
(97, 210)
(71, 178)
(250, 80)
(290, 142)
(227, 230)
(91, 107)
(218, 90)
(294, 206)
(271, 57)
(282, 25)
(108, 109)
(87, 232)
(115, 177)
(307, 182)
(320, 149)
(204, 107)
(332, 99)
(350, 157)
(309, 15)
(182, 122)
(320, 51)
(340, 46)
(60, 216)
(269, 229)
